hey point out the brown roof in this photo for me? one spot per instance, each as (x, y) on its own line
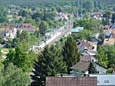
(4, 29)
(85, 58)
(25, 27)
(86, 45)
(82, 65)
(71, 81)
(111, 41)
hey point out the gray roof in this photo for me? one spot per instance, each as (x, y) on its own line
(82, 65)
(105, 80)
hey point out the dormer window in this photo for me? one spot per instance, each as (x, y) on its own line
(93, 47)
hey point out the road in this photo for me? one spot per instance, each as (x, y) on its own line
(54, 36)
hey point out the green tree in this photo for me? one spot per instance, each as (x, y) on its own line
(21, 57)
(70, 52)
(89, 24)
(84, 35)
(102, 36)
(109, 71)
(43, 27)
(113, 18)
(13, 76)
(91, 68)
(3, 19)
(88, 5)
(106, 17)
(1, 40)
(49, 63)
(23, 13)
(102, 57)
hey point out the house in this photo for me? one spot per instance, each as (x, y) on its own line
(8, 32)
(87, 46)
(97, 15)
(88, 51)
(82, 66)
(77, 30)
(109, 36)
(14, 11)
(62, 16)
(71, 81)
(104, 80)
(113, 26)
(96, 39)
(23, 27)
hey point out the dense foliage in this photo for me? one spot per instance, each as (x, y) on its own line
(106, 56)
(91, 26)
(13, 76)
(92, 69)
(70, 52)
(49, 63)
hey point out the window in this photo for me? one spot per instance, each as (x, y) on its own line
(106, 81)
(97, 81)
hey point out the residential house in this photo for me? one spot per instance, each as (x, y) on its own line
(6, 32)
(110, 35)
(97, 15)
(96, 39)
(104, 80)
(14, 11)
(23, 27)
(82, 66)
(76, 30)
(88, 51)
(62, 16)
(71, 81)
(88, 47)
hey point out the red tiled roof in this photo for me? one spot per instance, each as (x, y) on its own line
(71, 81)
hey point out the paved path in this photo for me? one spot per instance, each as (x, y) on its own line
(55, 36)
(100, 69)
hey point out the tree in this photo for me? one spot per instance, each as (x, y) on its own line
(8, 44)
(43, 27)
(70, 52)
(102, 36)
(13, 76)
(21, 57)
(84, 35)
(3, 19)
(49, 63)
(113, 18)
(23, 13)
(1, 40)
(89, 24)
(106, 17)
(113, 8)
(109, 71)
(91, 68)
(88, 5)
(102, 57)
